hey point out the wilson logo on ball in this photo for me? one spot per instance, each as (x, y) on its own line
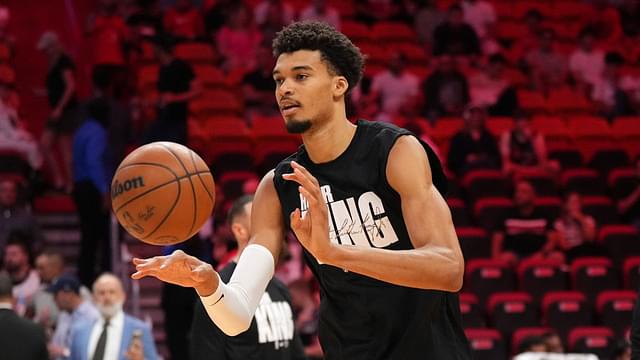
(118, 188)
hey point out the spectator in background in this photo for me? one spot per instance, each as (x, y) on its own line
(271, 334)
(532, 344)
(492, 89)
(524, 150)
(480, 15)
(183, 21)
(473, 147)
(115, 334)
(553, 342)
(446, 91)
(15, 216)
(427, 19)
(216, 16)
(608, 89)
(576, 230)
(177, 85)
(50, 266)
(454, 36)
(262, 10)
(20, 339)
(13, 135)
(258, 86)
(238, 40)
(586, 63)
(547, 67)
(319, 10)
(91, 191)
(629, 206)
(395, 89)
(17, 262)
(108, 33)
(274, 22)
(75, 310)
(61, 92)
(5, 37)
(604, 19)
(526, 232)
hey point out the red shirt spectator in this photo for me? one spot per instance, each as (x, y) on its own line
(108, 32)
(183, 20)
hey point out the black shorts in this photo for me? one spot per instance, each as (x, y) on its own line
(65, 125)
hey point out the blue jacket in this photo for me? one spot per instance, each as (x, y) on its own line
(81, 334)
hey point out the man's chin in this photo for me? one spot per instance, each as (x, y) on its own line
(297, 126)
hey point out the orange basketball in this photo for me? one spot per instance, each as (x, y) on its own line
(162, 193)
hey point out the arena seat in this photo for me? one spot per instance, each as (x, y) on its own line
(601, 208)
(591, 275)
(475, 242)
(631, 271)
(459, 212)
(485, 183)
(486, 344)
(584, 181)
(550, 205)
(622, 181)
(195, 52)
(509, 311)
(615, 309)
(595, 340)
(621, 241)
(522, 333)
(540, 276)
(472, 313)
(490, 212)
(565, 310)
(488, 276)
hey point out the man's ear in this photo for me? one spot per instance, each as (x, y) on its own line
(340, 86)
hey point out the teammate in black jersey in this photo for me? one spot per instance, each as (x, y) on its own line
(365, 202)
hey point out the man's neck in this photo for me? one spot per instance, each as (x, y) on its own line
(21, 274)
(328, 141)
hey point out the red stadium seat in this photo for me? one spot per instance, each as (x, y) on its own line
(459, 212)
(472, 313)
(490, 212)
(543, 182)
(550, 205)
(591, 275)
(511, 310)
(606, 159)
(356, 31)
(210, 76)
(601, 208)
(621, 241)
(232, 183)
(566, 100)
(486, 276)
(195, 52)
(564, 310)
(484, 183)
(522, 333)
(594, 340)
(615, 309)
(540, 276)
(568, 156)
(631, 270)
(531, 100)
(475, 242)
(583, 181)
(51, 204)
(622, 182)
(499, 124)
(486, 344)
(386, 31)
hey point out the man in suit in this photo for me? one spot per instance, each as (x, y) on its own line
(20, 339)
(114, 335)
(271, 335)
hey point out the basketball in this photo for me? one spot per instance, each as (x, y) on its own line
(162, 193)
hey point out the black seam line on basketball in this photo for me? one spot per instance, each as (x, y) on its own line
(168, 212)
(193, 160)
(177, 180)
(193, 189)
(151, 164)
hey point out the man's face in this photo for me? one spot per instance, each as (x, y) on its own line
(524, 194)
(15, 258)
(63, 300)
(108, 295)
(554, 344)
(43, 267)
(241, 226)
(8, 193)
(305, 90)
(475, 119)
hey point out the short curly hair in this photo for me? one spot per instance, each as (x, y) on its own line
(341, 55)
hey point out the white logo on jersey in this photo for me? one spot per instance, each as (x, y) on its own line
(357, 223)
(275, 322)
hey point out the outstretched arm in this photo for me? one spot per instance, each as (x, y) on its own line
(231, 306)
(436, 261)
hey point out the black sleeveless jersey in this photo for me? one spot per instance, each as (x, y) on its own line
(361, 317)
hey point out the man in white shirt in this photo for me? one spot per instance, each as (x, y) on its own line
(114, 335)
(319, 11)
(480, 15)
(586, 63)
(396, 89)
(75, 310)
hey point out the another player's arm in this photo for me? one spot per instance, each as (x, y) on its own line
(436, 261)
(231, 306)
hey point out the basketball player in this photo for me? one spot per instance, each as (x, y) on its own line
(365, 202)
(271, 335)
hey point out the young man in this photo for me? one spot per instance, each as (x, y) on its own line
(363, 200)
(271, 335)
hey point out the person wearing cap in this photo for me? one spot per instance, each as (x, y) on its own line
(75, 309)
(61, 93)
(20, 339)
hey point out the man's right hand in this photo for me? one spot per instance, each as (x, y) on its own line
(179, 269)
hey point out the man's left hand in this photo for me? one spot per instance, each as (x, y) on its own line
(312, 229)
(135, 350)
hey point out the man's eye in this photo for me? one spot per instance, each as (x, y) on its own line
(278, 81)
(301, 76)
